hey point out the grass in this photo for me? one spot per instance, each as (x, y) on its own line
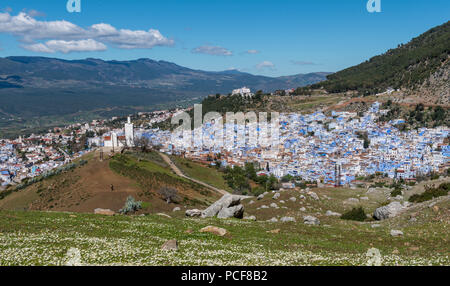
(201, 172)
(43, 238)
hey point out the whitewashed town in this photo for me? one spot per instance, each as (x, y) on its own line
(328, 150)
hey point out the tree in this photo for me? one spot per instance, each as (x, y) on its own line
(169, 194)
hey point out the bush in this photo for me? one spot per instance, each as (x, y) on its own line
(131, 206)
(357, 214)
(431, 193)
(396, 192)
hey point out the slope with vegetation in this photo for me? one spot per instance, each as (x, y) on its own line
(406, 67)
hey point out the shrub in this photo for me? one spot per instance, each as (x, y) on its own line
(431, 193)
(131, 206)
(396, 192)
(357, 214)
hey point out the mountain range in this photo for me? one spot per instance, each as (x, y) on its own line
(37, 86)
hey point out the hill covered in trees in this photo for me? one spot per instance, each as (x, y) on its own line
(409, 66)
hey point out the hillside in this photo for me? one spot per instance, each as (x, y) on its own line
(87, 187)
(44, 238)
(423, 64)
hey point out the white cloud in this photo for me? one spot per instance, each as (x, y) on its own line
(265, 65)
(62, 46)
(212, 50)
(252, 52)
(63, 34)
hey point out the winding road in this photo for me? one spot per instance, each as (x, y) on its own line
(181, 174)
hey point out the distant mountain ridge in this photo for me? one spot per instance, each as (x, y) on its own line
(50, 86)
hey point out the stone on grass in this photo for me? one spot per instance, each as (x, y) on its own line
(260, 197)
(274, 219)
(389, 211)
(311, 220)
(193, 213)
(303, 209)
(177, 209)
(170, 245)
(274, 205)
(293, 199)
(252, 217)
(220, 206)
(104, 212)
(236, 211)
(313, 195)
(275, 231)
(287, 219)
(214, 230)
(164, 215)
(276, 196)
(395, 232)
(330, 213)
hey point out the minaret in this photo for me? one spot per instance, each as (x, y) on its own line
(129, 133)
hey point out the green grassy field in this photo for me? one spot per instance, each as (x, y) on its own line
(201, 172)
(43, 238)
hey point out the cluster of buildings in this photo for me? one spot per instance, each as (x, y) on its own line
(34, 155)
(328, 149)
(316, 147)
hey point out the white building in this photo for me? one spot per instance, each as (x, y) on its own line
(244, 91)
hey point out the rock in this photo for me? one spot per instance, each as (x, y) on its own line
(311, 220)
(435, 209)
(330, 213)
(364, 198)
(303, 209)
(313, 195)
(287, 219)
(293, 199)
(389, 211)
(227, 201)
(177, 209)
(193, 213)
(252, 217)
(375, 225)
(396, 233)
(170, 245)
(164, 215)
(413, 219)
(302, 197)
(276, 196)
(260, 197)
(282, 202)
(236, 211)
(104, 212)
(214, 230)
(274, 205)
(275, 231)
(274, 219)
(251, 202)
(188, 231)
(264, 207)
(395, 251)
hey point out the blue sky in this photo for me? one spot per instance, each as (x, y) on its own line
(266, 37)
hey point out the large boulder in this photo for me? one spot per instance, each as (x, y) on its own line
(236, 211)
(227, 201)
(389, 211)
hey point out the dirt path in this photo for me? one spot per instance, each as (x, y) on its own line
(181, 174)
